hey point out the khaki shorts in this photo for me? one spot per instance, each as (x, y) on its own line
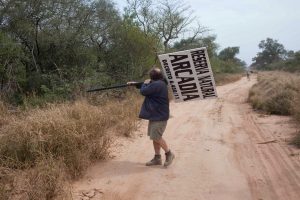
(156, 129)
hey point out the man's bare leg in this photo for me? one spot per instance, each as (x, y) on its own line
(169, 155)
(157, 157)
(157, 147)
(157, 144)
(162, 143)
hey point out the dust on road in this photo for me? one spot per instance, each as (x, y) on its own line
(218, 156)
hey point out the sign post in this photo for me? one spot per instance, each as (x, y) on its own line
(189, 74)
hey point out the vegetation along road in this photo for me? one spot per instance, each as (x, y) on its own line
(224, 150)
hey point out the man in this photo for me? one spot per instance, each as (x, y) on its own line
(155, 108)
(248, 75)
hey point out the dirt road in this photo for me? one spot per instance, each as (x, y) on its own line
(223, 151)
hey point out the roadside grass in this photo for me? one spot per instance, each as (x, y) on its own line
(224, 78)
(4, 114)
(296, 103)
(42, 149)
(296, 113)
(296, 140)
(278, 92)
(3, 109)
(275, 92)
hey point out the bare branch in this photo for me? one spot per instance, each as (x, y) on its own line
(199, 30)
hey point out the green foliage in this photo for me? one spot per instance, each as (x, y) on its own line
(165, 19)
(290, 64)
(207, 41)
(225, 78)
(229, 66)
(54, 50)
(227, 62)
(275, 57)
(229, 53)
(224, 62)
(272, 51)
(131, 54)
(12, 70)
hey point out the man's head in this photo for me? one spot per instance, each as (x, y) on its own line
(155, 74)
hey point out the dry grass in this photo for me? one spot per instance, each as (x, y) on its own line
(275, 92)
(296, 140)
(3, 109)
(296, 113)
(6, 182)
(4, 114)
(47, 180)
(63, 131)
(222, 79)
(123, 114)
(45, 147)
(296, 103)
(278, 93)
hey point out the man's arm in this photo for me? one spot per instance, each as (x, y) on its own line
(138, 85)
(148, 88)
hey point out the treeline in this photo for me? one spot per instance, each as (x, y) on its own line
(55, 49)
(274, 56)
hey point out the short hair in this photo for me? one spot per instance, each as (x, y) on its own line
(156, 74)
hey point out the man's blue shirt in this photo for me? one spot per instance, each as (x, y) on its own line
(156, 104)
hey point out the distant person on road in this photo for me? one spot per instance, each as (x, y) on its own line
(155, 108)
(248, 75)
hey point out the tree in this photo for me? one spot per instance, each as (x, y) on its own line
(224, 62)
(172, 20)
(191, 42)
(227, 62)
(290, 64)
(166, 19)
(143, 12)
(229, 53)
(130, 53)
(12, 71)
(272, 51)
(60, 46)
(61, 41)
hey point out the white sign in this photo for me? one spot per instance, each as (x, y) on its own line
(189, 74)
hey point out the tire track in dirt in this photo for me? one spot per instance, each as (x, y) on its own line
(282, 175)
(272, 173)
(217, 156)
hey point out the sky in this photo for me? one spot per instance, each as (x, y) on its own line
(245, 23)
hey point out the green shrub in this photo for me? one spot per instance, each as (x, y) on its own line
(224, 78)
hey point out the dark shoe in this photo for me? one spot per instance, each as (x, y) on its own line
(169, 158)
(155, 161)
